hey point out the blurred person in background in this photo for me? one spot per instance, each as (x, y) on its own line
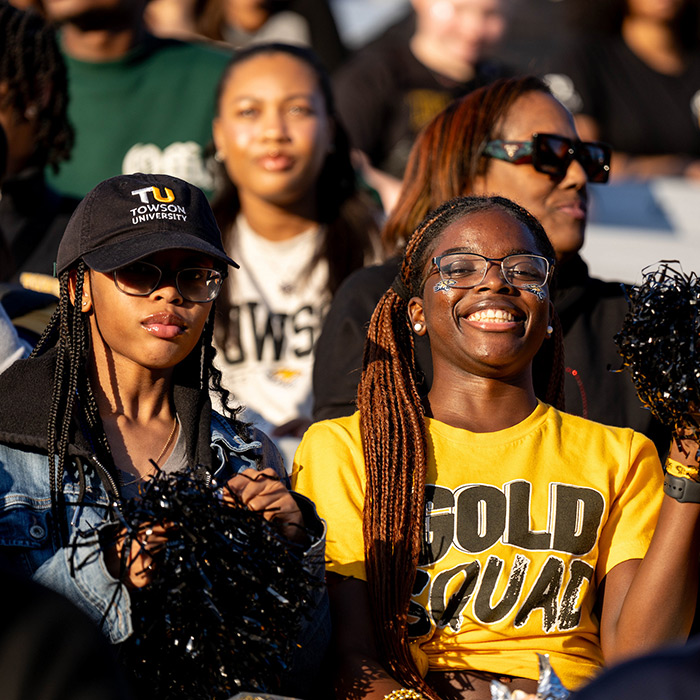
(33, 116)
(138, 103)
(290, 214)
(245, 22)
(633, 81)
(394, 87)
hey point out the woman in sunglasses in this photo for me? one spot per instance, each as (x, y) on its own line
(512, 139)
(117, 388)
(474, 527)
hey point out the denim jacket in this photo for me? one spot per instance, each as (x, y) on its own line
(78, 571)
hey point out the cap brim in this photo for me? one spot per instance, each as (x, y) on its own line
(111, 257)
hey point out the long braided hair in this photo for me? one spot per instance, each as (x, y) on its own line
(394, 434)
(73, 402)
(32, 69)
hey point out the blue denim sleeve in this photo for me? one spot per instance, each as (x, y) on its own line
(28, 544)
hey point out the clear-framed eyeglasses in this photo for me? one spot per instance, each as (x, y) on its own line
(467, 270)
(196, 284)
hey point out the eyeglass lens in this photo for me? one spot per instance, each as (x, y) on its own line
(553, 155)
(195, 284)
(469, 269)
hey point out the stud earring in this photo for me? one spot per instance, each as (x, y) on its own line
(549, 331)
(417, 327)
(219, 157)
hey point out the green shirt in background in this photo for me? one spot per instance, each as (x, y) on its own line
(150, 111)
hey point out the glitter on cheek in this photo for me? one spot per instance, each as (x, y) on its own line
(444, 285)
(536, 290)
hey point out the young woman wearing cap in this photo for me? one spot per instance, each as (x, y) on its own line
(119, 385)
(471, 530)
(291, 216)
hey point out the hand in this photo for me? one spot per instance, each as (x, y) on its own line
(137, 569)
(263, 491)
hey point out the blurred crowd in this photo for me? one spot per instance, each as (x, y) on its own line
(321, 149)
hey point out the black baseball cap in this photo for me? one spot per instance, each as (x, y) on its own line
(128, 217)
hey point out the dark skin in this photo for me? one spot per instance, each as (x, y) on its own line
(132, 361)
(482, 365)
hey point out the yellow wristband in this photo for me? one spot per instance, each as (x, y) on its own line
(682, 471)
(404, 693)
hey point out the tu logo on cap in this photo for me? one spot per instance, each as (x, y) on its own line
(157, 195)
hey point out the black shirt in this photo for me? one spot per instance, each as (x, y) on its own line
(385, 96)
(639, 111)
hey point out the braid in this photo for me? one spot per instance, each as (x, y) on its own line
(32, 68)
(62, 398)
(210, 374)
(395, 449)
(555, 388)
(70, 381)
(395, 441)
(49, 335)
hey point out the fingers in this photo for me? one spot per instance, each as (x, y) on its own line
(262, 491)
(135, 567)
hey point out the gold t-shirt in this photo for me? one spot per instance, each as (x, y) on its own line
(521, 525)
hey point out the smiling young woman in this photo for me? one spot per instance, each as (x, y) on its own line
(118, 387)
(469, 530)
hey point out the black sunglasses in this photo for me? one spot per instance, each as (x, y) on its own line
(552, 154)
(197, 284)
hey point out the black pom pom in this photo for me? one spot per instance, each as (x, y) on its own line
(226, 599)
(659, 345)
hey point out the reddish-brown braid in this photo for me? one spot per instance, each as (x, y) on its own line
(395, 441)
